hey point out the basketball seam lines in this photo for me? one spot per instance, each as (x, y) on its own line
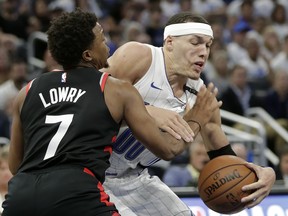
(228, 189)
(218, 170)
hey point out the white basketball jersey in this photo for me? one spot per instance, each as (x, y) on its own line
(128, 153)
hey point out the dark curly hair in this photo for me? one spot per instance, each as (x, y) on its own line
(69, 35)
(184, 17)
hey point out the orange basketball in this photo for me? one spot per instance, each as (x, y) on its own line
(220, 184)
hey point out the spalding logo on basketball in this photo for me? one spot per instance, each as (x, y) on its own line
(220, 184)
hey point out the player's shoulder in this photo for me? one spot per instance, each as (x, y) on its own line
(135, 49)
(130, 61)
(134, 44)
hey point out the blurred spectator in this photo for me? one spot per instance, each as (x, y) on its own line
(278, 19)
(258, 26)
(264, 8)
(238, 96)
(143, 38)
(34, 25)
(217, 70)
(236, 49)
(155, 27)
(247, 11)
(40, 16)
(17, 79)
(70, 5)
(218, 32)
(276, 104)
(187, 174)
(5, 63)
(113, 32)
(136, 11)
(170, 7)
(209, 8)
(5, 174)
(271, 45)
(185, 5)
(243, 9)
(276, 100)
(258, 69)
(285, 5)
(12, 45)
(282, 170)
(13, 20)
(281, 60)
(233, 8)
(114, 40)
(132, 30)
(230, 22)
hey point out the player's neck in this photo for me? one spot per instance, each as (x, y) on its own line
(174, 76)
(176, 82)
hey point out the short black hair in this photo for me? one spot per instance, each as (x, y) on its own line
(184, 17)
(69, 35)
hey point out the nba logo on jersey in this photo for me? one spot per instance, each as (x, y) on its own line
(63, 77)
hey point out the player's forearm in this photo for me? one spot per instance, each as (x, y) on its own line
(177, 146)
(213, 136)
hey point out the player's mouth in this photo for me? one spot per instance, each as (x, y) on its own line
(199, 66)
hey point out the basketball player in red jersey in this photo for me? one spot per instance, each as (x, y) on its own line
(65, 122)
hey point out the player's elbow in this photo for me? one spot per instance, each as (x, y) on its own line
(171, 152)
(12, 169)
(168, 156)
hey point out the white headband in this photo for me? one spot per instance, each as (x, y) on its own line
(187, 28)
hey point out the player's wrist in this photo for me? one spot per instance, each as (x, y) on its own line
(225, 150)
(195, 122)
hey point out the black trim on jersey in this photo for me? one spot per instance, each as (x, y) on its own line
(191, 90)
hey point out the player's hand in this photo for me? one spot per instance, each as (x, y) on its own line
(172, 123)
(266, 179)
(205, 105)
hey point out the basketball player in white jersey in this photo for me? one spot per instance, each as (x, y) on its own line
(167, 77)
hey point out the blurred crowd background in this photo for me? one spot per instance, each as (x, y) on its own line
(248, 61)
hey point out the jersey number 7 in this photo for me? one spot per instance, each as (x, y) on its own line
(65, 121)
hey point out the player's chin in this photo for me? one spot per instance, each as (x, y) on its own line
(194, 75)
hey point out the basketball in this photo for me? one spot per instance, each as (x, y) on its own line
(220, 184)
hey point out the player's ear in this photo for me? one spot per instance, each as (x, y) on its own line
(86, 56)
(169, 43)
